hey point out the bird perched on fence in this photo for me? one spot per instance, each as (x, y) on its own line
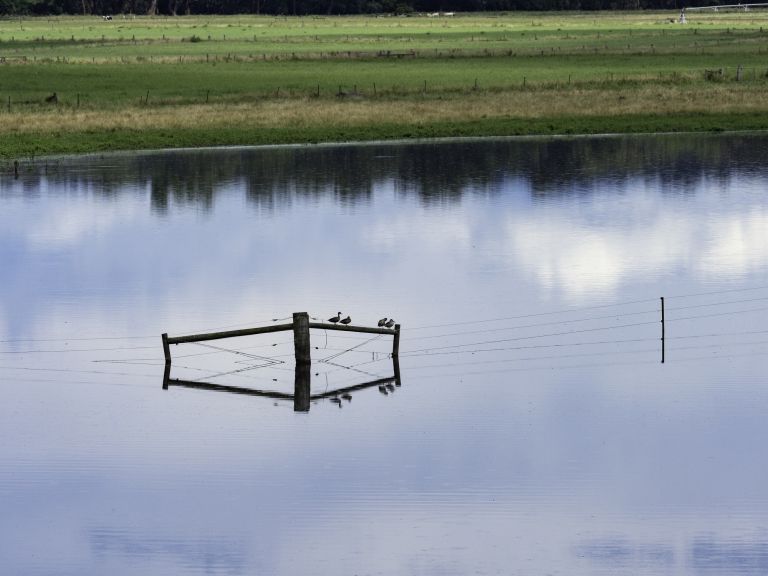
(335, 319)
(346, 320)
(382, 322)
(390, 323)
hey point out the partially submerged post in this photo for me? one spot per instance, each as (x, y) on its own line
(662, 330)
(166, 350)
(396, 342)
(301, 338)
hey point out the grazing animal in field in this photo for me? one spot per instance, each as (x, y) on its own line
(346, 320)
(390, 323)
(382, 322)
(335, 319)
(52, 99)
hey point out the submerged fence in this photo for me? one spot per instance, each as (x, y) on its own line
(300, 326)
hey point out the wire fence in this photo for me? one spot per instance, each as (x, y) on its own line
(517, 343)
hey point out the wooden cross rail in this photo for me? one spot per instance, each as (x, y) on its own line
(350, 328)
(300, 327)
(229, 334)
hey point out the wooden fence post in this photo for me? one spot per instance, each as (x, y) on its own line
(662, 330)
(396, 342)
(301, 338)
(166, 349)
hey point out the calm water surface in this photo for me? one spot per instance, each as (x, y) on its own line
(534, 430)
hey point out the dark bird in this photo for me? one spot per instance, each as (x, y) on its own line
(347, 397)
(390, 323)
(383, 390)
(346, 320)
(382, 322)
(390, 387)
(336, 401)
(335, 319)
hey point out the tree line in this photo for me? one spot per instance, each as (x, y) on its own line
(301, 7)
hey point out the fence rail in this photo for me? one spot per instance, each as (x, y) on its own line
(300, 326)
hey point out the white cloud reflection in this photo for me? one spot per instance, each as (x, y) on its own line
(575, 256)
(74, 222)
(737, 245)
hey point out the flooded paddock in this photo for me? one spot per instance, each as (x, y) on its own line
(528, 425)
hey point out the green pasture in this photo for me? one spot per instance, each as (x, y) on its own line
(90, 38)
(113, 84)
(92, 64)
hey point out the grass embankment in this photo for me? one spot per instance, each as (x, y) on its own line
(198, 81)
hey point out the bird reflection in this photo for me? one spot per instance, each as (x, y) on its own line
(302, 397)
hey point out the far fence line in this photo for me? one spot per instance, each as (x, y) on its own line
(743, 7)
(738, 74)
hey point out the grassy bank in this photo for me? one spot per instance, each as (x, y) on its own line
(193, 81)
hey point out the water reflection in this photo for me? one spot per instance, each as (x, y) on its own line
(538, 432)
(622, 553)
(204, 555)
(744, 555)
(302, 396)
(712, 555)
(441, 173)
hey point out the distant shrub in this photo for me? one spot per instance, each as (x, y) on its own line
(195, 38)
(714, 75)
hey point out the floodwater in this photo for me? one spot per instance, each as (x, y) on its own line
(533, 428)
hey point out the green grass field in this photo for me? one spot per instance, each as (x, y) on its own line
(192, 81)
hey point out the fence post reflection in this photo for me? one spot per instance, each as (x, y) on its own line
(301, 388)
